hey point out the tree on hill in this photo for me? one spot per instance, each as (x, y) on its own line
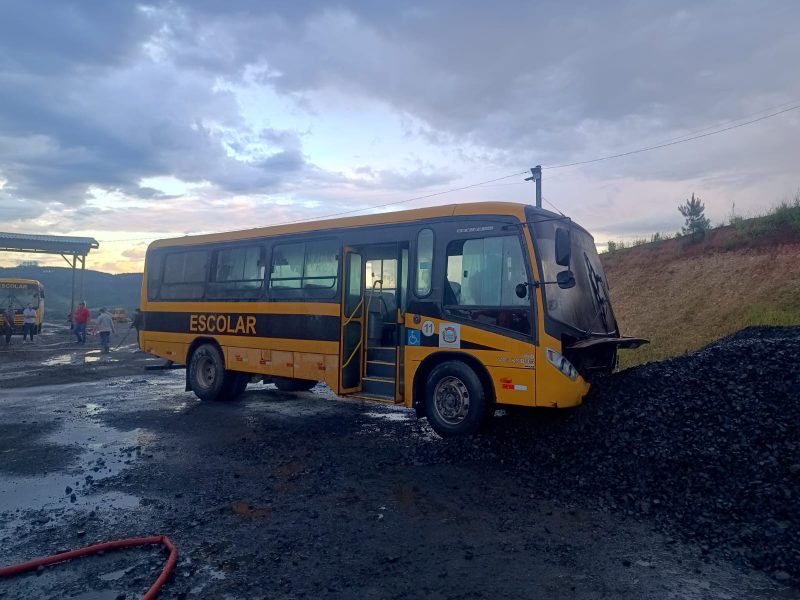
(696, 223)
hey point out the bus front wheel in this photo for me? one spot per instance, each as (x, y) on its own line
(455, 400)
(208, 378)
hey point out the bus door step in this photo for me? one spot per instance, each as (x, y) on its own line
(372, 398)
(379, 386)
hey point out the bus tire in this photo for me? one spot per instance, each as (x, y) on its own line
(455, 401)
(207, 376)
(290, 384)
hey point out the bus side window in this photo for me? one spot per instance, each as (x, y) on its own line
(485, 272)
(424, 276)
(287, 266)
(237, 273)
(480, 282)
(321, 265)
(184, 275)
(305, 269)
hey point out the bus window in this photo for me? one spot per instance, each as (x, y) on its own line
(305, 265)
(482, 274)
(237, 273)
(424, 262)
(321, 264)
(155, 262)
(184, 275)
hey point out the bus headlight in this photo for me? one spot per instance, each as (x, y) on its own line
(562, 364)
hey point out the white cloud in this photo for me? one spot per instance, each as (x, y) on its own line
(154, 118)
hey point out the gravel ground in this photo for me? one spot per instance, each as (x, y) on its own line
(675, 480)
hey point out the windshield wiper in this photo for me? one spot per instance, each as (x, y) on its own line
(596, 281)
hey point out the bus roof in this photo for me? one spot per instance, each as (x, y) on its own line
(512, 209)
(19, 280)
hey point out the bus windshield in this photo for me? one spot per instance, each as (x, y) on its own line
(19, 294)
(585, 307)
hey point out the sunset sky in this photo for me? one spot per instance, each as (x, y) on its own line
(128, 122)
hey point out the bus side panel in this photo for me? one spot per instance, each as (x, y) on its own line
(509, 362)
(262, 356)
(171, 350)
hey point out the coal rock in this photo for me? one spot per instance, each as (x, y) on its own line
(706, 445)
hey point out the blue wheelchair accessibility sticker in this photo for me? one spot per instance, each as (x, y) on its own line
(413, 337)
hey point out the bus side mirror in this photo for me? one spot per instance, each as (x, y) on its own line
(563, 247)
(521, 290)
(565, 279)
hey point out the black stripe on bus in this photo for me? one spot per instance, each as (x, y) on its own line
(432, 341)
(324, 328)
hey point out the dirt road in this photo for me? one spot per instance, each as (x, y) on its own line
(300, 495)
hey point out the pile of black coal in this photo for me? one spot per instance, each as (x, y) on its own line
(707, 445)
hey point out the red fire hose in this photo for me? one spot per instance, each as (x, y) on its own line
(113, 545)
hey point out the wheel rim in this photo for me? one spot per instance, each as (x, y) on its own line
(206, 371)
(451, 400)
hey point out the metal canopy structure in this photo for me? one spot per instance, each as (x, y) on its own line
(71, 249)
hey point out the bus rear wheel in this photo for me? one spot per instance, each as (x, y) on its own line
(290, 384)
(208, 378)
(455, 401)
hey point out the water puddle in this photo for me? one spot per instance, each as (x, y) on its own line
(209, 574)
(392, 416)
(93, 409)
(99, 358)
(63, 359)
(105, 453)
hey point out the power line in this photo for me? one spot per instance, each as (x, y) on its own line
(558, 210)
(729, 121)
(674, 143)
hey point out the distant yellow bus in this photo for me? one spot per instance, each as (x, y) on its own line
(19, 293)
(451, 311)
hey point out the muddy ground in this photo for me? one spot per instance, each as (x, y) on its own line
(299, 495)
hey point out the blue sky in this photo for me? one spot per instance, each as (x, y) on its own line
(129, 122)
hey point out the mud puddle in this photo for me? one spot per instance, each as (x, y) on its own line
(105, 453)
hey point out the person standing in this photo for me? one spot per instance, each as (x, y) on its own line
(29, 322)
(79, 321)
(138, 320)
(8, 323)
(105, 325)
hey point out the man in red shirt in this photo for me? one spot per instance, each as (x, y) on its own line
(79, 321)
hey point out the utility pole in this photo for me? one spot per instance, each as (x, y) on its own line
(536, 175)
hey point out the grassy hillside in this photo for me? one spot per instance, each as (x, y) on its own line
(100, 289)
(683, 295)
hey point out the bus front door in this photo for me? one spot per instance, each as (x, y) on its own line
(351, 348)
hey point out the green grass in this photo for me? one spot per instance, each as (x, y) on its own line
(784, 217)
(762, 314)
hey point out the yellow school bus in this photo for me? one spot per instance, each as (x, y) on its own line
(451, 311)
(19, 293)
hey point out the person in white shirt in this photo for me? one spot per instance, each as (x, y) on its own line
(105, 325)
(29, 322)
